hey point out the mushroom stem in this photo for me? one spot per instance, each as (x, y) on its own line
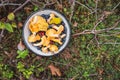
(55, 27)
(63, 35)
(59, 29)
(54, 35)
(38, 44)
(51, 16)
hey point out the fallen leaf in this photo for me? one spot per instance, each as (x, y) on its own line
(101, 78)
(27, 9)
(54, 70)
(101, 71)
(60, 7)
(21, 46)
(8, 54)
(75, 24)
(107, 13)
(20, 24)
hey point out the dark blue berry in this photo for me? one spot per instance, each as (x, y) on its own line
(45, 16)
(63, 23)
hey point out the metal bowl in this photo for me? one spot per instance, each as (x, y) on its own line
(26, 32)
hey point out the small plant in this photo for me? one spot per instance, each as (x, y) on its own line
(26, 72)
(22, 54)
(85, 74)
(8, 25)
(6, 72)
(20, 67)
(35, 8)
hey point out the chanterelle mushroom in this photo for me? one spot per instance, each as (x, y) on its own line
(45, 49)
(53, 48)
(51, 16)
(58, 40)
(59, 29)
(38, 23)
(53, 19)
(52, 33)
(33, 28)
(33, 38)
(44, 42)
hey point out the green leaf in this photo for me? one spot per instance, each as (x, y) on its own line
(20, 67)
(85, 74)
(8, 27)
(35, 8)
(14, 25)
(2, 25)
(118, 35)
(22, 54)
(11, 16)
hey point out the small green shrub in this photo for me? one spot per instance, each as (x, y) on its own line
(27, 72)
(22, 54)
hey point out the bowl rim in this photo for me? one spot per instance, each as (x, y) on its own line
(40, 11)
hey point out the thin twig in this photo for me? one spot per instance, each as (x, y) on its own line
(21, 6)
(1, 34)
(102, 18)
(97, 24)
(116, 6)
(96, 8)
(72, 9)
(95, 37)
(110, 43)
(74, 77)
(2, 2)
(97, 31)
(84, 6)
(10, 4)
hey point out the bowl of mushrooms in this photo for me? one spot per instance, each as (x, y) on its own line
(46, 32)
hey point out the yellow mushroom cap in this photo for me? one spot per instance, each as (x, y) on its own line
(44, 49)
(33, 38)
(56, 40)
(51, 33)
(53, 48)
(33, 28)
(38, 23)
(44, 42)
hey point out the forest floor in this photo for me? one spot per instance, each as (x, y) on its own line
(93, 52)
